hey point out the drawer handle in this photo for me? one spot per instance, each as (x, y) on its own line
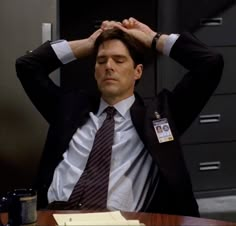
(217, 21)
(207, 166)
(214, 118)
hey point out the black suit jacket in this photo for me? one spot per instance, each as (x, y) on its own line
(67, 110)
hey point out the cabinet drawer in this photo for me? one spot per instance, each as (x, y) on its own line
(218, 30)
(216, 122)
(211, 166)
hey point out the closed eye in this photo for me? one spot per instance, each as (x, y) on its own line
(119, 59)
(116, 58)
(101, 60)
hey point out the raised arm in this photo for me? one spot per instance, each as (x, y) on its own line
(33, 70)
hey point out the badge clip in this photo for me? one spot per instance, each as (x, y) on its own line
(162, 129)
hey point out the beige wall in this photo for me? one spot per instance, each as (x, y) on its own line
(22, 129)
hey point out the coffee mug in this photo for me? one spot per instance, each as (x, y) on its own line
(22, 207)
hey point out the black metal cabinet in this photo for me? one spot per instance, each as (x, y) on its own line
(210, 143)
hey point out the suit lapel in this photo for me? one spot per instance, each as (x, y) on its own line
(74, 113)
(137, 113)
(168, 155)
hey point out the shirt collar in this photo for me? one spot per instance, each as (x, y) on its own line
(122, 107)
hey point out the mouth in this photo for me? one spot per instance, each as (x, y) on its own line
(109, 80)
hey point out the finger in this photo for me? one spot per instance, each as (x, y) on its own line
(96, 34)
(133, 20)
(129, 23)
(125, 23)
(110, 24)
(104, 24)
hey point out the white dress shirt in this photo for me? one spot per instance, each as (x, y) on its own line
(130, 174)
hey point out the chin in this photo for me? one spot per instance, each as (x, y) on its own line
(110, 94)
(109, 90)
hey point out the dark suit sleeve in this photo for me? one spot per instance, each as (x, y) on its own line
(204, 73)
(33, 70)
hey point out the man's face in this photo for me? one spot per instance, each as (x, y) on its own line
(115, 71)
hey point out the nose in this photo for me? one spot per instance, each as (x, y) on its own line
(109, 63)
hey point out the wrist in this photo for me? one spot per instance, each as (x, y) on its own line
(158, 42)
(155, 40)
(81, 48)
(63, 51)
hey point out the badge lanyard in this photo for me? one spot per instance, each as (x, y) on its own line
(162, 129)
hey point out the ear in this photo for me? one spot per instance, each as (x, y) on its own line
(138, 71)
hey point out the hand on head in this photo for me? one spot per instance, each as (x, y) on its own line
(133, 27)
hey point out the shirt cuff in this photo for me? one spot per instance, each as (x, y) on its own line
(63, 51)
(169, 43)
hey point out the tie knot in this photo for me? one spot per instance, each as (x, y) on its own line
(110, 111)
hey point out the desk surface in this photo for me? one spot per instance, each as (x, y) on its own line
(149, 219)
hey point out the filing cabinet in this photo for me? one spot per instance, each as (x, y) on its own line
(209, 145)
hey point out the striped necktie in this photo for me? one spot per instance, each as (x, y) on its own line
(90, 192)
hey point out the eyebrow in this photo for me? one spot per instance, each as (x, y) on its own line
(115, 55)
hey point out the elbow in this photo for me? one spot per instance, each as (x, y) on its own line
(20, 66)
(24, 67)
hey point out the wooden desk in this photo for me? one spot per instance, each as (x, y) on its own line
(45, 218)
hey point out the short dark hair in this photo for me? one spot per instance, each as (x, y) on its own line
(136, 49)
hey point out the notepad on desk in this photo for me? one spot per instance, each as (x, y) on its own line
(113, 218)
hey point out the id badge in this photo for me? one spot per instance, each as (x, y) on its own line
(162, 130)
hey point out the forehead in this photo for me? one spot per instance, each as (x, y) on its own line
(113, 46)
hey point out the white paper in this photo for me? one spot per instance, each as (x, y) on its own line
(114, 218)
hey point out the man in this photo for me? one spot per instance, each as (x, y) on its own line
(147, 172)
